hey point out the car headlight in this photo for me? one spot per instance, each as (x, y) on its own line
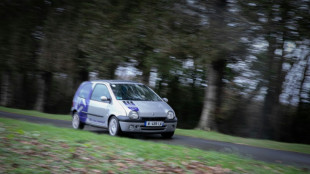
(170, 115)
(133, 115)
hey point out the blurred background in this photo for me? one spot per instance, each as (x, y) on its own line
(237, 67)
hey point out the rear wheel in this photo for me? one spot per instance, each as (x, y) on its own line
(76, 123)
(167, 134)
(114, 128)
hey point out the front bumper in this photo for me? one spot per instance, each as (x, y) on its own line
(138, 126)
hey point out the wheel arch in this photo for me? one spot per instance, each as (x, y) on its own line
(73, 112)
(110, 116)
(118, 130)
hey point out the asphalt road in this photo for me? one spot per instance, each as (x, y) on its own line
(263, 154)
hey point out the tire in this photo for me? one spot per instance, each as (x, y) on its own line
(167, 134)
(114, 128)
(76, 123)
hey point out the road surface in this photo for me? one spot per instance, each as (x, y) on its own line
(263, 154)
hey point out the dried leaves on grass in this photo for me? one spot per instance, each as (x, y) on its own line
(31, 151)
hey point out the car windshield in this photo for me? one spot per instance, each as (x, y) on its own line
(134, 92)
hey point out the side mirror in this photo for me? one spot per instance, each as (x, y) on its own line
(165, 100)
(104, 98)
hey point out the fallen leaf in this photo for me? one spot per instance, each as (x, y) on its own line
(96, 171)
(15, 165)
(110, 172)
(74, 155)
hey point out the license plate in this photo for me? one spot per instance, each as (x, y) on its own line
(154, 123)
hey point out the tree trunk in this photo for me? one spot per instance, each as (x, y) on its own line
(111, 70)
(5, 89)
(83, 75)
(300, 122)
(270, 97)
(271, 110)
(44, 83)
(146, 77)
(212, 99)
(39, 106)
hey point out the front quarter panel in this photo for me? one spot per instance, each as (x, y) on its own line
(115, 109)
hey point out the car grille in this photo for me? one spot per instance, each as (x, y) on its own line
(153, 118)
(152, 128)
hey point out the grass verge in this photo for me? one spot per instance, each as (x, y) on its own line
(33, 148)
(301, 148)
(36, 113)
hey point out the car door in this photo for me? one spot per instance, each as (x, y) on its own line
(98, 109)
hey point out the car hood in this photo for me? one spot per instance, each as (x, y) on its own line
(147, 108)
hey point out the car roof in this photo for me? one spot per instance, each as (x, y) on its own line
(116, 81)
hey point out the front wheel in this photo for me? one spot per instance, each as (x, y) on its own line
(114, 128)
(76, 123)
(167, 134)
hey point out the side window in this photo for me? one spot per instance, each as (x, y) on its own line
(99, 91)
(85, 90)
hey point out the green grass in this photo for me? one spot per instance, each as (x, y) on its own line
(36, 113)
(33, 148)
(301, 148)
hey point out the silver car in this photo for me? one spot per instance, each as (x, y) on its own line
(122, 106)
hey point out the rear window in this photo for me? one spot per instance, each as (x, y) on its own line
(85, 90)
